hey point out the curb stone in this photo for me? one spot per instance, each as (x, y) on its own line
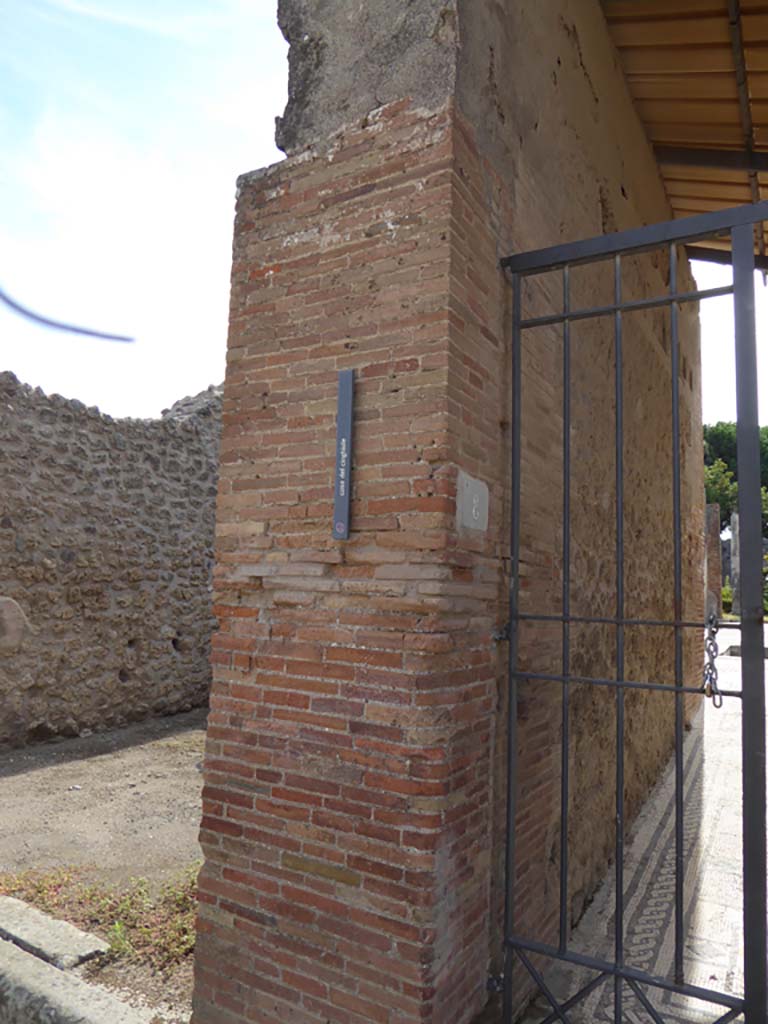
(34, 992)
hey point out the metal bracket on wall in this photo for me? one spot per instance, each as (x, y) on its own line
(500, 635)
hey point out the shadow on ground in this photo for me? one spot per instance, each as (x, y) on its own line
(14, 760)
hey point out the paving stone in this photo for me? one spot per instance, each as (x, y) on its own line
(34, 992)
(57, 942)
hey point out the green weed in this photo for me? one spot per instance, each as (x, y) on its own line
(158, 930)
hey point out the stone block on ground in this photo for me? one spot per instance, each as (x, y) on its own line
(57, 942)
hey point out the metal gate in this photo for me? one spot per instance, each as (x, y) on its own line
(526, 955)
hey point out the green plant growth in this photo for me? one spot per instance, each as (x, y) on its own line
(119, 940)
(158, 930)
(727, 593)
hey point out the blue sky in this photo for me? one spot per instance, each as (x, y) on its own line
(123, 126)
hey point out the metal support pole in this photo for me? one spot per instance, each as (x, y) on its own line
(618, 991)
(566, 625)
(514, 586)
(752, 668)
(677, 528)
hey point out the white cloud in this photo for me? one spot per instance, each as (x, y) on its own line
(136, 243)
(132, 234)
(179, 25)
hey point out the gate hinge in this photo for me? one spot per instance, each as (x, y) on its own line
(500, 635)
(495, 983)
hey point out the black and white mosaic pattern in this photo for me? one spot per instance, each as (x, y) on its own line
(713, 887)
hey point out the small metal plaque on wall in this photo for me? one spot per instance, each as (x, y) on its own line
(343, 477)
(471, 502)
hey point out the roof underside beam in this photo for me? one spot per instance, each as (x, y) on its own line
(745, 111)
(725, 256)
(721, 159)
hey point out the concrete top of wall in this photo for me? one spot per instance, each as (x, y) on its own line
(348, 59)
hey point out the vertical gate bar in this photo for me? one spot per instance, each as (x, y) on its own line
(514, 588)
(678, 612)
(752, 667)
(566, 637)
(619, 460)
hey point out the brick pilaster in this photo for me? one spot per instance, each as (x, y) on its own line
(346, 813)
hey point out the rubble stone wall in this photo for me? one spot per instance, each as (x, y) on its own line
(106, 535)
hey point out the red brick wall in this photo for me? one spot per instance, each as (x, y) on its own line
(345, 806)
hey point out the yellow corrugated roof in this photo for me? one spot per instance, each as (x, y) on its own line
(698, 73)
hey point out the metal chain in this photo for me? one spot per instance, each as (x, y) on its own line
(711, 652)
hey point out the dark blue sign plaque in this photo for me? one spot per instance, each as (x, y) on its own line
(343, 479)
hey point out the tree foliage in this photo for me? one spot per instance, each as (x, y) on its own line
(721, 489)
(721, 471)
(720, 443)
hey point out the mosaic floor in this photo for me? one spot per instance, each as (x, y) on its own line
(713, 887)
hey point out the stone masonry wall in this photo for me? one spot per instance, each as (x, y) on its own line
(552, 152)
(106, 535)
(354, 784)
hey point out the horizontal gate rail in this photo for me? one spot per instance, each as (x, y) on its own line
(623, 684)
(604, 620)
(706, 995)
(639, 304)
(636, 240)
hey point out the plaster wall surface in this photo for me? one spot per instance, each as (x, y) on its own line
(353, 825)
(106, 536)
(347, 59)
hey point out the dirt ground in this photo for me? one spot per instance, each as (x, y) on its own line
(113, 806)
(119, 805)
